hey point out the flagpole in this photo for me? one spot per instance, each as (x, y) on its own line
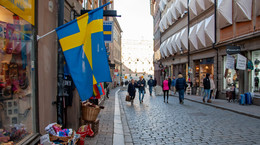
(90, 12)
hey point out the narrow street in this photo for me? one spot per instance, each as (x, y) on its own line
(156, 122)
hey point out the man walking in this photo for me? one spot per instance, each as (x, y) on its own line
(151, 84)
(180, 87)
(173, 85)
(141, 86)
(206, 84)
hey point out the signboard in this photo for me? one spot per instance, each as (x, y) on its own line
(108, 31)
(22, 8)
(230, 62)
(241, 62)
(233, 49)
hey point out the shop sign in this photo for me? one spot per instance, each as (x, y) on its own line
(108, 31)
(230, 62)
(241, 62)
(22, 8)
(233, 49)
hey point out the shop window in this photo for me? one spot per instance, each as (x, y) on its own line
(16, 95)
(229, 76)
(256, 71)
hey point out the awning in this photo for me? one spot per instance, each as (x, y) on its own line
(166, 54)
(162, 4)
(208, 3)
(178, 41)
(161, 49)
(168, 47)
(201, 33)
(169, 17)
(200, 6)
(192, 36)
(224, 13)
(192, 8)
(175, 15)
(243, 10)
(164, 22)
(161, 26)
(181, 6)
(184, 38)
(210, 28)
(173, 43)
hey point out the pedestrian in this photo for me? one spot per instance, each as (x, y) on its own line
(131, 90)
(155, 82)
(141, 86)
(173, 84)
(206, 84)
(212, 87)
(169, 82)
(106, 86)
(166, 88)
(151, 84)
(181, 87)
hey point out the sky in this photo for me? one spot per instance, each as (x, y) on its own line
(135, 21)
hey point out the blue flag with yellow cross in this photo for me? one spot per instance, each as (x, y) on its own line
(82, 42)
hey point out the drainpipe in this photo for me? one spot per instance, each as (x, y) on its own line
(60, 68)
(215, 29)
(188, 40)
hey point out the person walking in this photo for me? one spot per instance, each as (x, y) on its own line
(166, 88)
(181, 87)
(173, 84)
(131, 90)
(155, 82)
(206, 84)
(151, 84)
(169, 82)
(212, 87)
(141, 86)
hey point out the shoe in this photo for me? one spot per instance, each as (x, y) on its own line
(142, 101)
(209, 101)
(164, 101)
(203, 100)
(167, 101)
(182, 102)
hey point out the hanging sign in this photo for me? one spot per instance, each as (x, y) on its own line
(241, 62)
(108, 31)
(230, 62)
(22, 8)
(233, 49)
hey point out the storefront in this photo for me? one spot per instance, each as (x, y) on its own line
(17, 96)
(255, 72)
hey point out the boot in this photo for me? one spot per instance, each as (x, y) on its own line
(209, 101)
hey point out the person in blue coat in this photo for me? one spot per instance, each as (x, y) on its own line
(181, 87)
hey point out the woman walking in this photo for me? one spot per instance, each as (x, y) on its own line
(131, 90)
(166, 89)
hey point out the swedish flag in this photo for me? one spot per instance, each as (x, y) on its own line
(82, 42)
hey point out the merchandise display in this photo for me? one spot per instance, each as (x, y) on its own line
(16, 116)
(230, 77)
(255, 73)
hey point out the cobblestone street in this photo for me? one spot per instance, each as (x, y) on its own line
(156, 122)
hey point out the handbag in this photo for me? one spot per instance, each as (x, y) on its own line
(127, 98)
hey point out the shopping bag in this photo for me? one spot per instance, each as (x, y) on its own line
(127, 98)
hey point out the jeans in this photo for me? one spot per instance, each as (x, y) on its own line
(141, 92)
(151, 89)
(181, 95)
(166, 92)
(207, 93)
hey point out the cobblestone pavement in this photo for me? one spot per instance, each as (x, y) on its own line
(156, 122)
(106, 123)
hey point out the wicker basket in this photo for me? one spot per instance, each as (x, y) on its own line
(90, 113)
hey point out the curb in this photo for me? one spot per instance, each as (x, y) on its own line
(223, 108)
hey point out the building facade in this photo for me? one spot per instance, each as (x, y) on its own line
(208, 36)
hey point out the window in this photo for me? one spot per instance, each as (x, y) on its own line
(16, 76)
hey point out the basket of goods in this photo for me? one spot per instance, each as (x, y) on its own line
(90, 111)
(61, 136)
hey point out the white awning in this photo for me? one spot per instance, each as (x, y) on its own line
(169, 17)
(192, 8)
(178, 7)
(173, 43)
(257, 6)
(161, 49)
(243, 10)
(181, 6)
(164, 22)
(165, 51)
(192, 36)
(178, 41)
(161, 26)
(201, 33)
(162, 4)
(175, 15)
(224, 13)
(168, 47)
(184, 38)
(200, 6)
(210, 28)
(208, 3)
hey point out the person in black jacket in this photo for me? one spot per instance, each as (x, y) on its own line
(206, 84)
(169, 82)
(181, 87)
(141, 86)
(131, 90)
